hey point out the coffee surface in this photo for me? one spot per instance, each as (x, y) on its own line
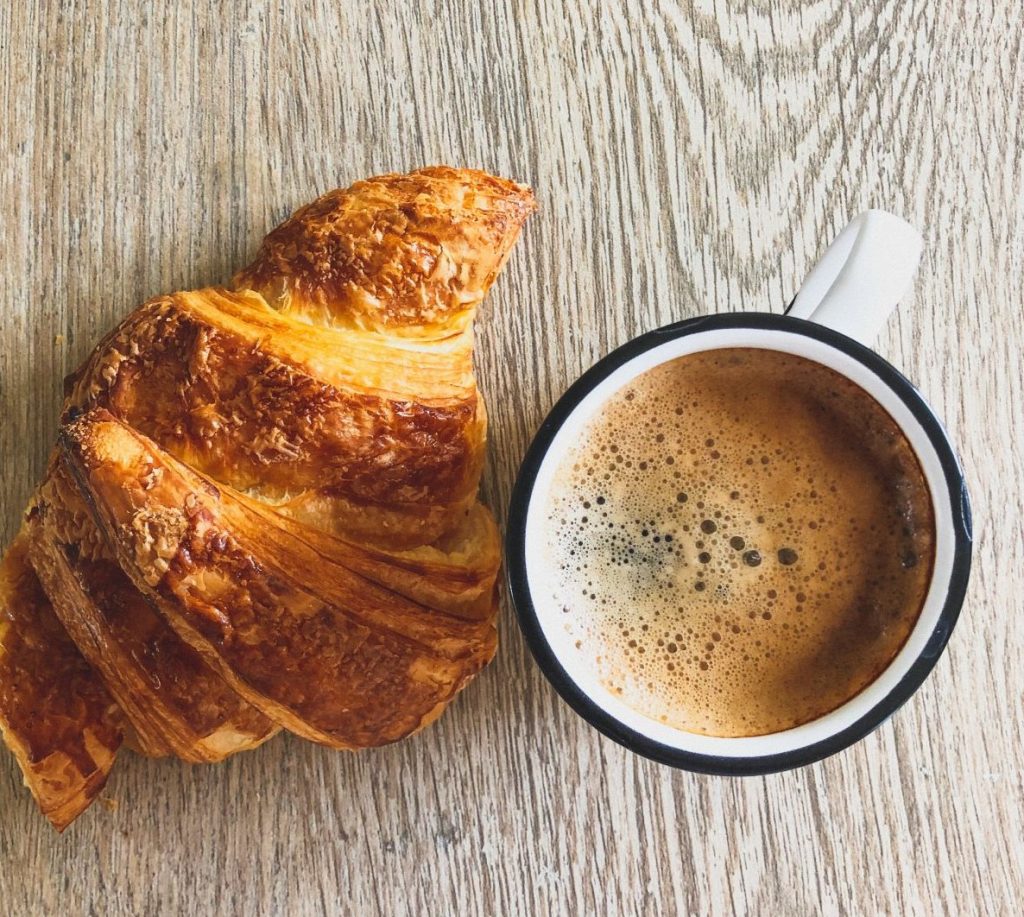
(741, 541)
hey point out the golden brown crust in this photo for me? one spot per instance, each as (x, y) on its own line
(349, 400)
(55, 714)
(320, 650)
(267, 415)
(394, 252)
(175, 703)
(273, 514)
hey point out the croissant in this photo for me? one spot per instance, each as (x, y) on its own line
(261, 511)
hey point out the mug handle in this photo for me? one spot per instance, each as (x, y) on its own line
(861, 277)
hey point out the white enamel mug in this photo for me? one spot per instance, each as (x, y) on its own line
(833, 320)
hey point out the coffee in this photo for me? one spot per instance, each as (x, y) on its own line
(741, 541)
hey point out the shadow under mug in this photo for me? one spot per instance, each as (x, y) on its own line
(838, 311)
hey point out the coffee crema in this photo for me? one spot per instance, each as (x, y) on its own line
(741, 541)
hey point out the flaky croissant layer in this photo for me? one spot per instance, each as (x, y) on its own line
(262, 509)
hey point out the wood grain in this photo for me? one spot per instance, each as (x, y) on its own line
(689, 157)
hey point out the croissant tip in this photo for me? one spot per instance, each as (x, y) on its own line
(415, 250)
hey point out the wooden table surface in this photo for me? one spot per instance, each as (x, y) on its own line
(688, 158)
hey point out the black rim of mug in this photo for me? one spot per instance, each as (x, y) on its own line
(515, 551)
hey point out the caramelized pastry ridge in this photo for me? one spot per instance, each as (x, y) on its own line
(399, 252)
(175, 703)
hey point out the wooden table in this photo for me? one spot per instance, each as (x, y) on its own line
(688, 158)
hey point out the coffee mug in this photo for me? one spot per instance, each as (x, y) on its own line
(833, 319)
